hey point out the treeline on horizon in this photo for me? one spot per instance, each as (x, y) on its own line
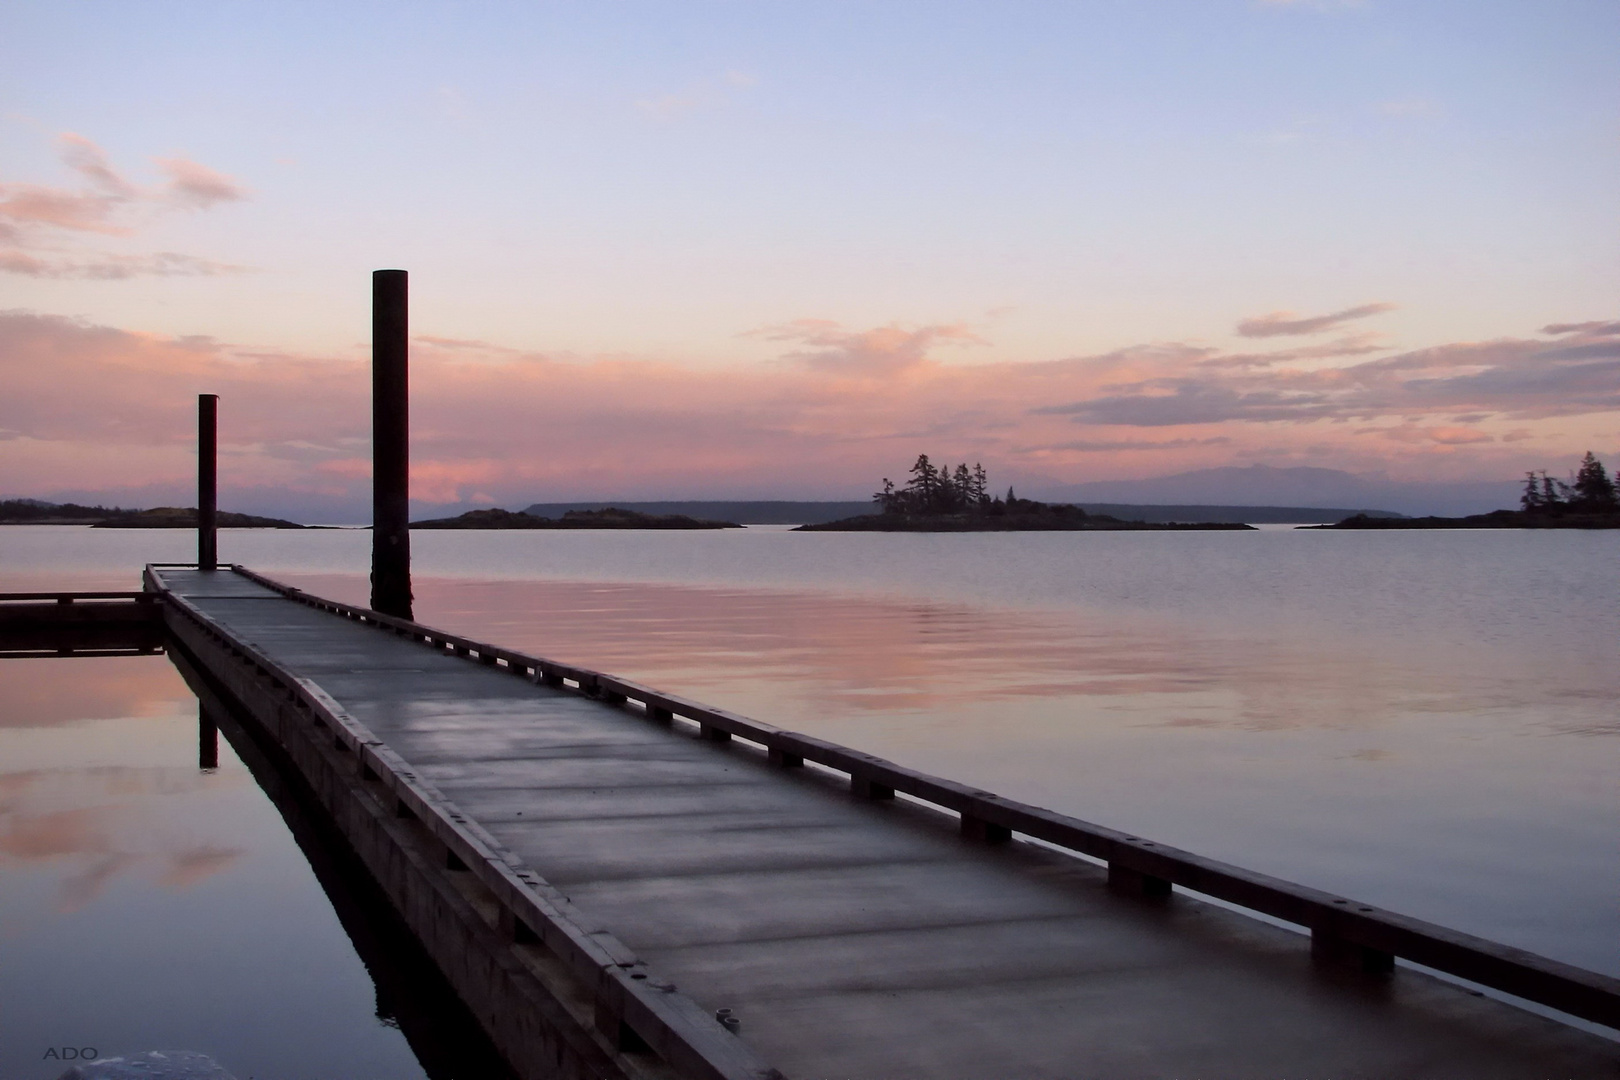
(946, 491)
(934, 490)
(37, 509)
(1590, 491)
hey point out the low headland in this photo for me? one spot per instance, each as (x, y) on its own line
(1590, 500)
(35, 512)
(942, 499)
(610, 518)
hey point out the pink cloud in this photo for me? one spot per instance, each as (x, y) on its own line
(1109, 446)
(1442, 435)
(115, 267)
(885, 350)
(29, 206)
(1520, 378)
(40, 224)
(95, 407)
(90, 161)
(197, 187)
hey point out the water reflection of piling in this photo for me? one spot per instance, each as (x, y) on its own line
(207, 740)
(412, 993)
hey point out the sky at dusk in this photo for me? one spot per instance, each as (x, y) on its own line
(745, 250)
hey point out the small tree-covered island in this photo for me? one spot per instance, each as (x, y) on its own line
(943, 499)
(1588, 501)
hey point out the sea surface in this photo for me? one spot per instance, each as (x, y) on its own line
(1424, 720)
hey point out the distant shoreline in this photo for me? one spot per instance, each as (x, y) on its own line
(1496, 519)
(1021, 515)
(608, 518)
(33, 512)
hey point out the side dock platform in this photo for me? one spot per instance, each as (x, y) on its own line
(621, 883)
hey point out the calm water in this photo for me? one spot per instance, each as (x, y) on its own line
(1424, 720)
(148, 904)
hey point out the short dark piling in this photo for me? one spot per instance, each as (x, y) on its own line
(390, 444)
(207, 481)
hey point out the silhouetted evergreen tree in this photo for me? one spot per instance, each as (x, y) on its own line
(1530, 500)
(941, 489)
(1552, 491)
(887, 498)
(1593, 490)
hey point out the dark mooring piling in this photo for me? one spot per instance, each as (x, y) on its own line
(207, 481)
(390, 444)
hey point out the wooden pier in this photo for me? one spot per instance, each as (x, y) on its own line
(618, 882)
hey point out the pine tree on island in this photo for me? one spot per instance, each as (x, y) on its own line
(939, 491)
(1590, 493)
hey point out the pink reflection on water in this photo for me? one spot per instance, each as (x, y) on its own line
(81, 797)
(797, 656)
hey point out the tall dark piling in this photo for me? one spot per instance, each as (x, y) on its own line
(390, 444)
(207, 481)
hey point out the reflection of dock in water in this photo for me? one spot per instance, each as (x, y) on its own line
(599, 870)
(411, 993)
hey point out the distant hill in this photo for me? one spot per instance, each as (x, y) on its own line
(613, 517)
(1294, 486)
(36, 512)
(819, 513)
(1592, 518)
(1250, 515)
(767, 512)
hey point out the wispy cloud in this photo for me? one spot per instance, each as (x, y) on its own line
(114, 267)
(1586, 329)
(885, 350)
(1577, 375)
(197, 187)
(41, 226)
(1445, 435)
(1417, 107)
(705, 93)
(1109, 446)
(1289, 323)
(1314, 5)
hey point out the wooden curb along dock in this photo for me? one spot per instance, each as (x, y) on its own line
(604, 872)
